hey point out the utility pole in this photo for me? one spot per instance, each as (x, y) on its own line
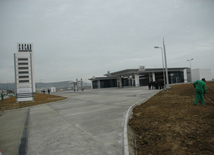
(167, 78)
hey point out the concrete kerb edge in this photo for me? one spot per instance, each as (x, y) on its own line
(2, 112)
(53, 102)
(125, 130)
(60, 100)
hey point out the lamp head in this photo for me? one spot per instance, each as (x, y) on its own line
(156, 47)
(190, 59)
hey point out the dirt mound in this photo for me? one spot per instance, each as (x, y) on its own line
(169, 123)
(10, 103)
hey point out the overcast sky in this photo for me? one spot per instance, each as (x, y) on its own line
(84, 38)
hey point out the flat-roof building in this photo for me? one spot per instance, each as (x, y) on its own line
(140, 77)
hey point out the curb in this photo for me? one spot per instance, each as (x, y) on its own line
(125, 130)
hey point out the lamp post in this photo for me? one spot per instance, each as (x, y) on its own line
(167, 78)
(162, 63)
(190, 68)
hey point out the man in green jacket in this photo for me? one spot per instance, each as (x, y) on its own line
(200, 91)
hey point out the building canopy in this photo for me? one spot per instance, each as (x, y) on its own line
(139, 77)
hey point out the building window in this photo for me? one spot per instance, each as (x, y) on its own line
(22, 59)
(22, 67)
(108, 83)
(23, 76)
(23, 81)
(95, 84)
(24, 72)
(22, 63)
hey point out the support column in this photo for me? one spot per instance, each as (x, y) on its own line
(119, 82)
(133, 80)
(98, 84)
(137, 82)
(130, 81)
(150, 77)
(91, 84)
(153, 76)
(185, 75)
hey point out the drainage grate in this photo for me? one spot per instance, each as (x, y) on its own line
(24, 139)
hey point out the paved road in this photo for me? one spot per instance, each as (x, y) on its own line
(89, 122)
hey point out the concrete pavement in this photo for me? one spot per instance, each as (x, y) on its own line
(89, 122)
(11, 128)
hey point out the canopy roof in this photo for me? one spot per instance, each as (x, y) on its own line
(128, 72)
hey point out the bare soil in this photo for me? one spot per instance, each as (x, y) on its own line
(10, 103)
(170, 124)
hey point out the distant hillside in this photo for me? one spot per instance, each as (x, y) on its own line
(59, 85)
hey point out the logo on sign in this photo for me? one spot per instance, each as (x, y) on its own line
(24, 47)
(141, 68)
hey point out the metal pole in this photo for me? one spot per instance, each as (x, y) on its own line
(163, 67)
(15, 74)
(81, 85)
(190, 70)
(162, 64)
(167, 80)
(77, 85)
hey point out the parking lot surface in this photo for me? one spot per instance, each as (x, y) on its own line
(88, 122)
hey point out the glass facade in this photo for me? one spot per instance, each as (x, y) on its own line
(126, 82)
(108, 83)
(95, 84)
(176, 77)
(173, 77)
(144, 82)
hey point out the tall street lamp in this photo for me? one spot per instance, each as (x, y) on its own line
(162, 63)
(190, 68)
(167, 78)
